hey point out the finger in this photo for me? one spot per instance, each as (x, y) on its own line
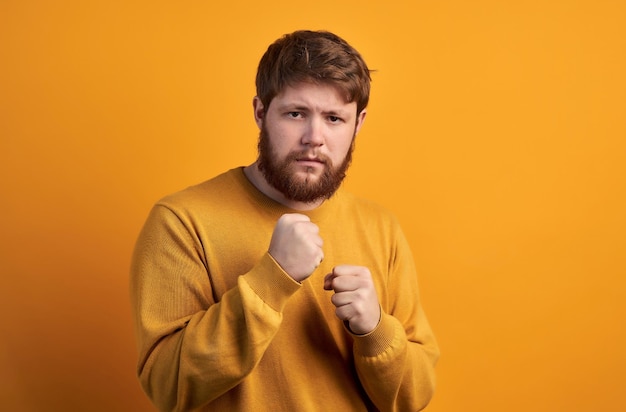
(319, 242)
(347, 283)
(345, 312)
(350, 277)
(296, 217)
(350, 270)
(339, 281)
(310, 231)
(328, 281)
(344, 270)
(331, 279)
(342, 299)
(319, 261)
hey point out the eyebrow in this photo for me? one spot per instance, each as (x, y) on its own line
(303, 108)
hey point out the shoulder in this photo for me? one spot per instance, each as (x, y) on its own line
(205, 194)
(366, 211)
(358, 204)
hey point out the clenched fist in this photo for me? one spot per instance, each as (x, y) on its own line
(296, 245)
(355, 297)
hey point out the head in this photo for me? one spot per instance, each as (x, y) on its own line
(316, 59)
(314, 56)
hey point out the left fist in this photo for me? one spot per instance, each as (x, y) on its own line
(355, 297)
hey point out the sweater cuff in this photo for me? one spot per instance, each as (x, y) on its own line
(271, 283)
(380, 339)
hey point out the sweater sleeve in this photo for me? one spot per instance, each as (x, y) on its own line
(395, 362)
(192, 349)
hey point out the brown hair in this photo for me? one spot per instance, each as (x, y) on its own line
(317, 56)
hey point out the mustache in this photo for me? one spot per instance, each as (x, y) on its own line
(309, 155)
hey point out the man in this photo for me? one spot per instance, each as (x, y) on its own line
(271, 288)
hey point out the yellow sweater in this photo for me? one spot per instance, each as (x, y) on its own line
(221, 327)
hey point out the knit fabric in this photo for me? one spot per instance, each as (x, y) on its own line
(221, 327)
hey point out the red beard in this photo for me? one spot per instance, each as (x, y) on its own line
(280, 173)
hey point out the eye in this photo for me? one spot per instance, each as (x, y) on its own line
(334, 119)
(294, 115)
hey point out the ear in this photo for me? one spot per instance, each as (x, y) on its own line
(259, 111)
(359, 120)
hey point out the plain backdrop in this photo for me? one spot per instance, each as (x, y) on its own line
(496, 133)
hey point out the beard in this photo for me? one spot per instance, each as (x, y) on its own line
(282, 176)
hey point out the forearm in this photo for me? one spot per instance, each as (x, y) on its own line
(212, 353)
(196, 358)
(397, 374)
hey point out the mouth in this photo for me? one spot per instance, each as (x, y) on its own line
(310, 160)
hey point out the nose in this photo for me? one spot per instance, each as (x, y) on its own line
(314, 133)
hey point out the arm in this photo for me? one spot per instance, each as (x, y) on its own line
(394, 349)
(396, 372)
(193, 349)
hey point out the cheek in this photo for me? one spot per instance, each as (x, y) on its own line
(341, 145)
(285, 137)
(278, 140)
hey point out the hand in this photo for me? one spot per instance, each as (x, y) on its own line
(296, 245)
(355, 297)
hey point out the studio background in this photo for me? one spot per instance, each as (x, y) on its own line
(496, 133)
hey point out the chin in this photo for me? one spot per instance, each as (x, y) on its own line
(308, 177)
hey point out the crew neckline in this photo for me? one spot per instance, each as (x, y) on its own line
(267, 202)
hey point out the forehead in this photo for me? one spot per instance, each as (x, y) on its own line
(312, 95)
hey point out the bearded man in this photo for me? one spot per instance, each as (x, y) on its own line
(269, 287)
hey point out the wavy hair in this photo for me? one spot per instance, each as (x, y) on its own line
(315, 56)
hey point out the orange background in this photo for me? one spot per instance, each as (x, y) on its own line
(496, 133)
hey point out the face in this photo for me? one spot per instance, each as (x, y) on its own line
(306, 140)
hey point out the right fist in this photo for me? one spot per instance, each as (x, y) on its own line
(296, 245)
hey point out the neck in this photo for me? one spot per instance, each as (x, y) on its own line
(255, 176)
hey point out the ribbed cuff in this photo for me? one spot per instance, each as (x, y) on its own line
(380, 339)
(271, 283)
